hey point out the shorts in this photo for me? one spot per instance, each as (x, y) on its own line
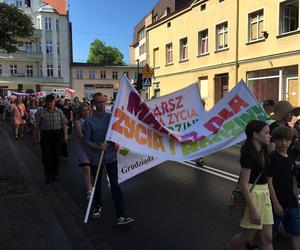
(290, 221)
(260, 196)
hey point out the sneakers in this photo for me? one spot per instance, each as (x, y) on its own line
(97, 212)
(123, 221)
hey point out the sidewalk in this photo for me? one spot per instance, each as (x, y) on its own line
(35, 215)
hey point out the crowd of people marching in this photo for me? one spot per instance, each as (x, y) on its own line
(51, 121)
(270, 159)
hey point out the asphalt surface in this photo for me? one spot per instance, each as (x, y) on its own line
(174, 206)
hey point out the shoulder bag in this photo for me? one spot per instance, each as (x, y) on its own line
(237, 204)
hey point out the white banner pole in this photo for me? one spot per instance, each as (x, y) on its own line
(93, 188)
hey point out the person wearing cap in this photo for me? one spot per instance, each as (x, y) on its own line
(283, 114)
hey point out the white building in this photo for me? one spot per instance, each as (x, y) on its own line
(42, 63)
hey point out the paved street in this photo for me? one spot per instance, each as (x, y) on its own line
(175, 206)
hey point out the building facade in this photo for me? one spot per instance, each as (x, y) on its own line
(89, 78)
(43, 62)
(219, 42)
(163, 8)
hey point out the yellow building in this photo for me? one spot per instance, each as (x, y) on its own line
(89, 78)
(218, 42)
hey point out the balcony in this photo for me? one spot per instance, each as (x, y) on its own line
(22, 78)
(22, 55)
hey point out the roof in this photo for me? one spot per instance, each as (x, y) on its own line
(80, 64)
(137, 29)
(182, 7)
(61, 6)
(159, 11)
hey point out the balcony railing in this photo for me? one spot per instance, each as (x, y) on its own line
(22, 78)
(22, 55)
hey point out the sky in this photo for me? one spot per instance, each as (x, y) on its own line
(111, 21)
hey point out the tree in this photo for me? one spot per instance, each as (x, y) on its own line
(100, 53)
(15, 26)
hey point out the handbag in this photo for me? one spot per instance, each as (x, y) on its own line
(237, 204)
(23, 116)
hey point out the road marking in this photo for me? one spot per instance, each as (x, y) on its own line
(216, 170)
(209, 171)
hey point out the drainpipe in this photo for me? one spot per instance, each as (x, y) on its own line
(237, 40)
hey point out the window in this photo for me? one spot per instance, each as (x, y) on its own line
(0, 69)
(57, 24)
(92, 74)
(115, 75)
(59, 71)
(169, 53)
(183, 49)
(142, 49)
(48, 23)
(29, 70)
(27, 3)
(167, 11)
(141, 34)
(221, 86)
(156, 57)
(18, 3)
(203, 86)
(103, 74)
(28, 46)
(155, 18)
(79, 74)
(13, 69)
(58, 48)
(256, 25)
(38, 23)
(127, 74)
(203, 42)
(203, 7)
(265, 84)
(222, 36)
(220, 1)
(168, 24)
(49, 47)
(289, 16)
(50, 70)
(41, 70)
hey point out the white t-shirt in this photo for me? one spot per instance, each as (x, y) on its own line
(32, 115)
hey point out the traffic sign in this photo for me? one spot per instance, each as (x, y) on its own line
(147, 82)
(147, 71)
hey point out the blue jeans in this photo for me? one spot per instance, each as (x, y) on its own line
(117, 196)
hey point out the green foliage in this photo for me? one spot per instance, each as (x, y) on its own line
(15, 25)
(100, 53)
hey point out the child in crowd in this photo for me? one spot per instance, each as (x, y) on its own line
(258, 216)
(280, 181)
